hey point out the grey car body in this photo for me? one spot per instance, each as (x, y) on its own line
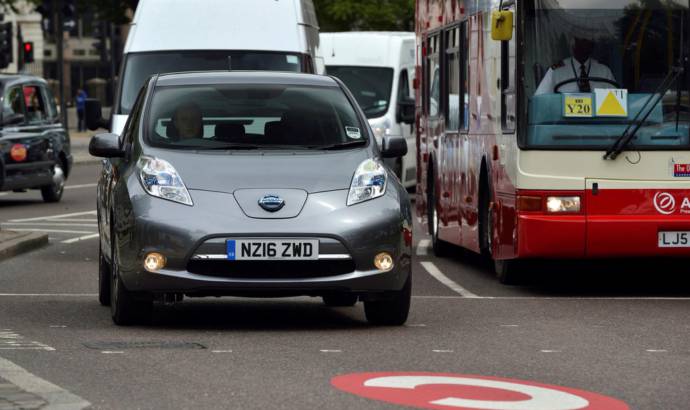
(226, 187)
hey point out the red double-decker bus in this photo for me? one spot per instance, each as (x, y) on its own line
(554, 128)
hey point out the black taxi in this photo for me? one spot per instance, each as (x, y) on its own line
(34, 145)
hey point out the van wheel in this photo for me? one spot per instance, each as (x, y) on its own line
(53, 192)
(441, 248)
(104, 272)
(125, 308)
(340, 300)
(392, 311)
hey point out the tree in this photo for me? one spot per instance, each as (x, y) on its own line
(346, 15)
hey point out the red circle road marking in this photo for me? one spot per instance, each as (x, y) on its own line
(470, 392)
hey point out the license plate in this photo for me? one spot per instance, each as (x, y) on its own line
(272, 249)
(674, 239)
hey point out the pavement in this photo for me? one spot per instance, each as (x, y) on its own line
(614, 332)
(80, 147)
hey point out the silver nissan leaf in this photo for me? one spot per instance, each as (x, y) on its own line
(251, 184)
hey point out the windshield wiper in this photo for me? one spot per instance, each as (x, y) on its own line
(636, 123)
(341, 145)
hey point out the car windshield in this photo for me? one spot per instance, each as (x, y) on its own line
(140, 66)
(371, 86)
(241, 116)
(593, 66)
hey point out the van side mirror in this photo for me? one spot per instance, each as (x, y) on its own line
(502, 25)
(393, 147)
(93, 116)
(106, 146)
(406, 111)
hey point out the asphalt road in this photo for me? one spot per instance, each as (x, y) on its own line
(617, 328)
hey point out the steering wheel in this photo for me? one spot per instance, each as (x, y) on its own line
(590, 79)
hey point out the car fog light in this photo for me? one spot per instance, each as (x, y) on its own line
(563, 204)
(154, 262)
(383, 261)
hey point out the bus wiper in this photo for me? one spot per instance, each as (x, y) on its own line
(636, 123)
(341, 145)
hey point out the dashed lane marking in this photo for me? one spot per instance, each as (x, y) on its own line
(423, 247)
(55, 396)
(42, 218)
(431, 268)
(10, 340)
(81, 186)
(81, 238)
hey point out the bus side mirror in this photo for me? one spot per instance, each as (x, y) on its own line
(502, 25)
(93, 116)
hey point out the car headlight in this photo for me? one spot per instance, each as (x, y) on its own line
(160, 179)
(557, 204)
(369, 182)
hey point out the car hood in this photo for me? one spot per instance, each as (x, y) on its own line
(311, 172)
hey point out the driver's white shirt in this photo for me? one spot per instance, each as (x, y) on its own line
(564, 71)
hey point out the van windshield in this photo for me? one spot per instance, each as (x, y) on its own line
(253, 116)
(140, 66)
(371, 86)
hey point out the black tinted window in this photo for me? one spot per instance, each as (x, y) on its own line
(139, 67)
(246, 115)
(371, 86)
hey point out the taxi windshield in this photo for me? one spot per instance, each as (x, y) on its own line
(596, 67)
(252, 116)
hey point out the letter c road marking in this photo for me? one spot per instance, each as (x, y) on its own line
(454, 391)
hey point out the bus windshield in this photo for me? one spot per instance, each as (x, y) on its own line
(592, 67)
(371, 86)
(140, 66)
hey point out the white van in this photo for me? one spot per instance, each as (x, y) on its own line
(379, 67)
(182, 35)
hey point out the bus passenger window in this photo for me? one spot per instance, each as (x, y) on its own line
(434, 76)
(452, 89)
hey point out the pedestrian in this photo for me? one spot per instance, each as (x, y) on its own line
(81, 107)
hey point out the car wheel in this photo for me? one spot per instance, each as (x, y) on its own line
(340, 300)
(104, 273)
(392, 311)
(125, 308)
(440, 247)
(53, 192)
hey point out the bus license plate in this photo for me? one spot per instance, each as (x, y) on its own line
(674, 239)
(272, 249)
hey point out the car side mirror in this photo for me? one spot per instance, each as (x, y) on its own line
(406, 111)
(93, 115)
(106, 146)
(393, 147)
(13, 119)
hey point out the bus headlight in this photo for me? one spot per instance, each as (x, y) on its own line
(558, 204)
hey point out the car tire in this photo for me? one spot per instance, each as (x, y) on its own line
(340, 300)
(54, 191)
(392, 311)
(440, 247)
(104, 273)
(125, 308)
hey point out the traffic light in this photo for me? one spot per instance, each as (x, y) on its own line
(28, 51)
(5, 44)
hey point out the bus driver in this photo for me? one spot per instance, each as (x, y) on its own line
(580, 67)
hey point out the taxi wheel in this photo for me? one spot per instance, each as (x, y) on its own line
(392, 311)
(104, 273)
(340, 300)
(125, 308)
(53, 192)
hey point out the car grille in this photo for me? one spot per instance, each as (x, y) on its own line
(271, 269)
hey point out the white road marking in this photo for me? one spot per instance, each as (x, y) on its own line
(51, 231)
(112, 352)
(615, 298)
(442, 351)
(509, 325)
(416, 325)
(221, 351)
(657, 350)
(52, 222)
(61, 295)
(423, 247)
(81, 186)
(54, 216)
(81, 238)
(436, 273)
(57, 326)
(550, 351)
(77, 220)
(55, 396)
(330, 351)
(10, 340)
